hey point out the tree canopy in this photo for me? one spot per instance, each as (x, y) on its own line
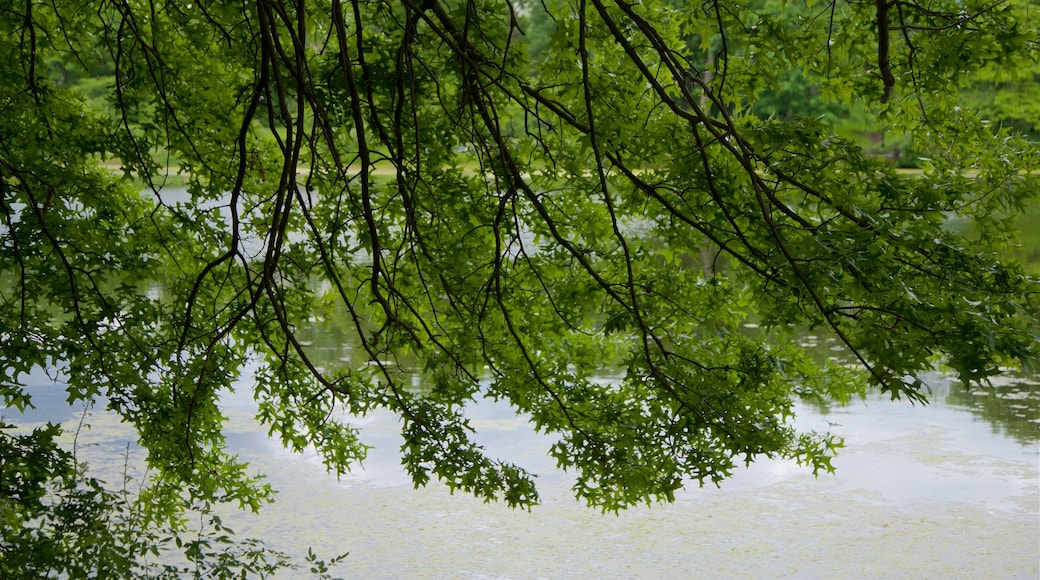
(512, 200)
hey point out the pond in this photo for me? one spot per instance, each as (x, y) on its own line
(951, 489)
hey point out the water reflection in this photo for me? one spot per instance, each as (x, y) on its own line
(1011, 404)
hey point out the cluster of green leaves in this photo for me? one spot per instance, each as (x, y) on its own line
(57, 522)
(508, 222)
(1007, 94)
(79, 248)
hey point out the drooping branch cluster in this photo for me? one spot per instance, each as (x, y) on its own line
(515, 225)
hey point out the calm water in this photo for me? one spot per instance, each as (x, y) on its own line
(946, 490)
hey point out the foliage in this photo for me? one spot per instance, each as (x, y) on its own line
(510, 223)
(56, 522)
(1008, 94)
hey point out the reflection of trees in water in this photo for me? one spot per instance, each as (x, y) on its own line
(824, 348)
(331, 342)
(1011, 405)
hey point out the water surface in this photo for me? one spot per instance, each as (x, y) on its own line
(948, 490)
